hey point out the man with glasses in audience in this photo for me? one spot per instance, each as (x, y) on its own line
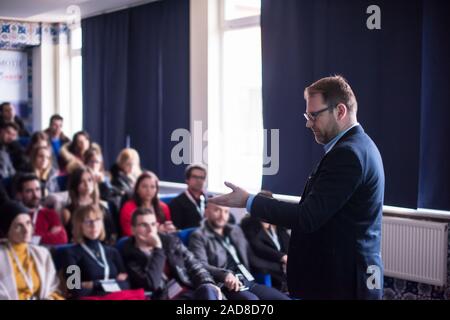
(188, 208)
(334, 250)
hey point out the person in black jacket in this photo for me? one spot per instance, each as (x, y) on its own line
(161, 264)
(125, 171)
(101, 266)
(12, 155)
(8, 115)
(188, 208)
(270, 243)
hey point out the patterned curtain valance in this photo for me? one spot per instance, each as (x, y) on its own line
(19, 35)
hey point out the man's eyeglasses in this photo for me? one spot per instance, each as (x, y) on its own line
(193, 176)
(312, 116)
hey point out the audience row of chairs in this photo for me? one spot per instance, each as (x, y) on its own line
(58, 252)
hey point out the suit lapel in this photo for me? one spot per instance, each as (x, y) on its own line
(311, 178)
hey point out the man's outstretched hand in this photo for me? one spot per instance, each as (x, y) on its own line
(235, 199)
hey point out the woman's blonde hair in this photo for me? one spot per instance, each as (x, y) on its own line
(78, 217)
(130, 154)
(44, 173)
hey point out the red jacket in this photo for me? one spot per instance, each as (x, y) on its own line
(46, 220)
(127, 212)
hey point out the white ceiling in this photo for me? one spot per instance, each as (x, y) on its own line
(57, 10)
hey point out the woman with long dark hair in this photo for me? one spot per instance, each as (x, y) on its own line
(146, 196)
(84, 191)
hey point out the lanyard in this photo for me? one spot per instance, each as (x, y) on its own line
(201, 208)
(273, 235)
(232, 251)
(104, 263)
(27, 277)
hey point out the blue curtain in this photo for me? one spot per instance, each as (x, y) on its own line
(434, 187)
(304, 40)
(136, 81)
(104, 52)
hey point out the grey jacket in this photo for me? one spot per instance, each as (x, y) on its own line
(206, 246)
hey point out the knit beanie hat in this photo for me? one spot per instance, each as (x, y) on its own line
(8, 212)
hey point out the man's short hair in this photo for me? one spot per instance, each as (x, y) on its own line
(6, 125)
(140, 212)
(194, 166)
(6, 103)
(21, 179)
(334, 90)
(56, 117)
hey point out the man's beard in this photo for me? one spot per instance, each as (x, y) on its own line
(33, 204)
(216, 225)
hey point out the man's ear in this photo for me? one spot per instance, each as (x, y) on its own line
(342, 110)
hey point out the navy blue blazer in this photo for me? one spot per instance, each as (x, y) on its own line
(336, 227)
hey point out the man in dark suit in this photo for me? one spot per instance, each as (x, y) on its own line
(188, 208)
(334, 251)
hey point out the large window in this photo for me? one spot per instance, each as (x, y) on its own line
(235, 146)
(75, 113)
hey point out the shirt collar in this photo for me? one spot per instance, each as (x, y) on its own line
(333, 141)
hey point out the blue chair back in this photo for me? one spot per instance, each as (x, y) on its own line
(57, 254)
(120, 243)
(263, 278)
(62, 182)
(24, 141)
(185, 234)
(166, 198)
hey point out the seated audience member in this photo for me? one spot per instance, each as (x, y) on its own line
(84, 191)
(93, 159)
(12, 155)
(40, 139)
(101, 267)
(270, 243)
(48, 229)
(147, 254)
(187, 209)
(125, 171)
(26, 270)
(47, 174)
(57, 137)
(8, 115)
(226, 255)
(72, 154)
(146, 196)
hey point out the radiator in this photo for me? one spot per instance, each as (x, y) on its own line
(415, 250)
